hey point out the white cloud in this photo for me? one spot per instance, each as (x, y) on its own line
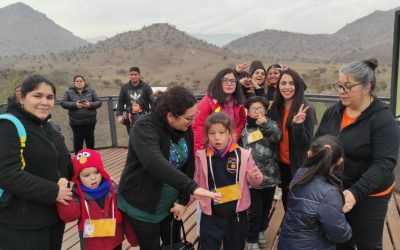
(108, 17)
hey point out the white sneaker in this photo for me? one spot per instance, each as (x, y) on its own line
(262, 240)
(253, 246)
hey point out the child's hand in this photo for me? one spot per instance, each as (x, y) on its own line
(253, 173)
(178, 210)
(261, 119)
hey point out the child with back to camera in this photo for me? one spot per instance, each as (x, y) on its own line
(225, 168)
(94, 204)
(314, 218)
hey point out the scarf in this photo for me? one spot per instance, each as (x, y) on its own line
(99, 192)
(210, 150)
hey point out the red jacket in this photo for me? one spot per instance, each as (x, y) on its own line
(205, 107)
(72, 212)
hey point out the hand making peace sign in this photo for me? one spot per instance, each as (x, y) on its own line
(301, 115)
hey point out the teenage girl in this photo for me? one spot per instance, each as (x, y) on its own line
(296, 119)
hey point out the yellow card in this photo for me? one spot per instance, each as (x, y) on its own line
(99, 228)
(229, 193)
(255, 136)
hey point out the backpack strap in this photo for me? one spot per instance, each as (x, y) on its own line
(21, 133)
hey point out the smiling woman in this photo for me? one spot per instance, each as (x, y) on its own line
(31, 214)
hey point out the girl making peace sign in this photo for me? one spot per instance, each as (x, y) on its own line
(296, 118)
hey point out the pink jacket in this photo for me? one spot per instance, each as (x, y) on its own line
(246, 163)
(205, 107)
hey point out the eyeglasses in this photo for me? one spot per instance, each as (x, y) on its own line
(188, 120)
(227, 80)
(256, 110)
(346, 87)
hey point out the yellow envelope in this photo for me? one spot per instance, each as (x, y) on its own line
(99, 228)
(229, 193)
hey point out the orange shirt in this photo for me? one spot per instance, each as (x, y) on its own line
(346, 120)
(284, 144)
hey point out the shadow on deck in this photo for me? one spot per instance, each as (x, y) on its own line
(114, 160)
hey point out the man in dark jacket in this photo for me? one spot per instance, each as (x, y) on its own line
(131, 91)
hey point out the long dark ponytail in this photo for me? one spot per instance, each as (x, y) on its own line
(325, 154)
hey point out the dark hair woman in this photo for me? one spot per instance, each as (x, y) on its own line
(223, 95)
(37, 178)
(370, 139)
(296, 119)
(159, 169)
(314, 218)
(81, 102)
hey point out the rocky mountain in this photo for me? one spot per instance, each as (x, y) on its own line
(25, 30)
(371, 35)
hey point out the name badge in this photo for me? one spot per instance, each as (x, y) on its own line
(229, 193)
(99, 228)
(254, 136)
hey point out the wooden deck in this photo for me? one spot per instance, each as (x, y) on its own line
(114, 160)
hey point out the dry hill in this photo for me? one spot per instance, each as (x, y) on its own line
(25, 30)
(371, 35)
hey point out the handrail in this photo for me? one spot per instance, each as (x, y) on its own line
(112, 100)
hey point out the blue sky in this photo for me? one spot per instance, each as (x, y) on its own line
(92, 18)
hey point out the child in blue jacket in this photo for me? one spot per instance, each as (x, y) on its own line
(314, 218)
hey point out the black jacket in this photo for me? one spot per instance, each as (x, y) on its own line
(128, 93)
(147, 166)
(35, 189)
(300, 138)
(78, 117)
(314, 217)
(371, 146)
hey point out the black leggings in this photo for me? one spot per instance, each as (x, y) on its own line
(149, 234)
(81, 134)
(286, 178)
(46, 238)
(367, 219)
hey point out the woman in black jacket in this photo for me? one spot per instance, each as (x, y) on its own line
(156, 182)
(296, 119)
(370, 139)
(30, 220)
(82, 102)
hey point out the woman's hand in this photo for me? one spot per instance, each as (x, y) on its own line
(241, 67)
(349, 201)
(64, 192)
(300, 117)
(201, 193)
(178, 210)
(62, 182)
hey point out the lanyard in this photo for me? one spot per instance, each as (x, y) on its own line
(237, 169)
(112, 207)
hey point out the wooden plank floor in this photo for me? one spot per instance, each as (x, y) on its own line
(114, 160)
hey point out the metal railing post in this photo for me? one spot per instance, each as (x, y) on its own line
(111, 119)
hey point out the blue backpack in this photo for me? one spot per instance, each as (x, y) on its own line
(22, 136)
